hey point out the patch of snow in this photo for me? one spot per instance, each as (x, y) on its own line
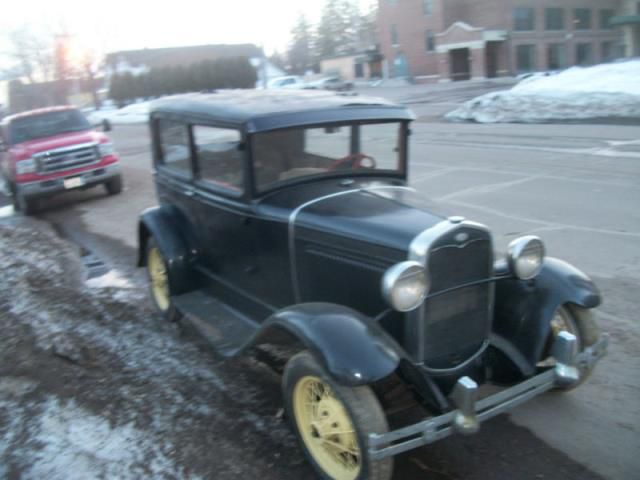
(76, 444)
(110, 279)
(602, 91)
(131, 114)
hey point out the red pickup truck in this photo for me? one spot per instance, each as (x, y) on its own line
(53, 150)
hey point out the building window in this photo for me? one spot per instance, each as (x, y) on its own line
(605, 17)
(584, 54)
(430, 41)
(554, 19)
(394, 35)
(556, 56)
(427, 7)
(582, 18)
(525, 58)
(523, 19)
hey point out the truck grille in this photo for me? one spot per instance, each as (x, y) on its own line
(457, 314)
(67, 158)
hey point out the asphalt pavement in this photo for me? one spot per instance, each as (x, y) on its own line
(576, 186)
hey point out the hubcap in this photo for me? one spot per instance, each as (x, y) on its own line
(326, 429)
(159, 278)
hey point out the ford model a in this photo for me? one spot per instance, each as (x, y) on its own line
(285, 218)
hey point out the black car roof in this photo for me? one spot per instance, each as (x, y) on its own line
(259, 110)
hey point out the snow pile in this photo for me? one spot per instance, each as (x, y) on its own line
(131, 114)
(603, 91)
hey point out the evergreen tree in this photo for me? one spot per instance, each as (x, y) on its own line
(300, 51)
(337, 31)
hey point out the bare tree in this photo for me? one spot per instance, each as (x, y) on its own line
(33, 55)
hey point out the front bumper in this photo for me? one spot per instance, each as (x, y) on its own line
(90, 178)
(470, 411)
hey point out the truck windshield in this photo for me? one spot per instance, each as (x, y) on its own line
(282, 155)
(46, 125)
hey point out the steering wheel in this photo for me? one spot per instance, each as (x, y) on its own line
(355, 161)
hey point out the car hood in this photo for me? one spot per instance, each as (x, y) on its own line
(383, 213)
(59, 141)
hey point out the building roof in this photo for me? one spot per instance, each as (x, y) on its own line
(175, 56)
(259, 110)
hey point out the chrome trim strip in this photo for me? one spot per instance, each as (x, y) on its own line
(291, 229)
(479, 352)
(70, 148)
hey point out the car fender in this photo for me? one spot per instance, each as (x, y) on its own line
(352, 347)
(524, 309)
(174, 236)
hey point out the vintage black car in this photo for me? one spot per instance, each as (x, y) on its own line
(285, 219)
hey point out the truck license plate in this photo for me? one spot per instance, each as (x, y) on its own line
(73, 182)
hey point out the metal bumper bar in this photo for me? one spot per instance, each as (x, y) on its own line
(470, 412)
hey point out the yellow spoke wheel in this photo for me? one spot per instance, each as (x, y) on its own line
(159, 278)
(333, 421)
(326, 429)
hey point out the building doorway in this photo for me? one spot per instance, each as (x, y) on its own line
(459, 64)
(491, 57)
(400, 66)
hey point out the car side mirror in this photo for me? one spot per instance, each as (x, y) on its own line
(106, 125)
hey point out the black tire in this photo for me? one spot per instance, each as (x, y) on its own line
(583, 325)
(27, 206)
(361, 405)
(169, 311)
(114, 186)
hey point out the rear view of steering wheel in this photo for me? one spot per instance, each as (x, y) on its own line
(354, 160)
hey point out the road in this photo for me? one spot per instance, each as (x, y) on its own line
(576, 186)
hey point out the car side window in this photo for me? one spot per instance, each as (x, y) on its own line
(219, 158)
(174, 146)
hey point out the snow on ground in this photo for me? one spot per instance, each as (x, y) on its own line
(94, 385)
(602, 91)
(134, 113)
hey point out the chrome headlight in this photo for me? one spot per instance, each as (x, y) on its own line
(106, 149)
(405, 286)
(28, 165)
(525, 256)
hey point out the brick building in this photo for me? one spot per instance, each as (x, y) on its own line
(440, 40)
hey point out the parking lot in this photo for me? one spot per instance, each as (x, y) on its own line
(576, 186)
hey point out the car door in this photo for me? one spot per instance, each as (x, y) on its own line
(174, 167)
(226, 220)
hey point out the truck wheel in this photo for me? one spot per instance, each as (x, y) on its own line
(27, 206)
(159, 282)
(581, 323)
(333, 422)
(114, 186)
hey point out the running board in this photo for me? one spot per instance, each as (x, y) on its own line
(225, 328)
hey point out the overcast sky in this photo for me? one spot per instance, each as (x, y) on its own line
(110, 25)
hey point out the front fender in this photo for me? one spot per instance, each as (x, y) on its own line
(173, 234)
(524, 309)
(353, 348)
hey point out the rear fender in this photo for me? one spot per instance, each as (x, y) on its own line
(524, 309)
(174, 236)
(352, 347)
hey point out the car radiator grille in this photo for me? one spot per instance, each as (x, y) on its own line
(457, 315)
(67, 158)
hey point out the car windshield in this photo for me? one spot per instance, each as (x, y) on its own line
(47, 125)
(282, 155)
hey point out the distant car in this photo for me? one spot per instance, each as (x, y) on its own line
(286, 218)
(330, 83)
(290, 81)
(52, 150)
